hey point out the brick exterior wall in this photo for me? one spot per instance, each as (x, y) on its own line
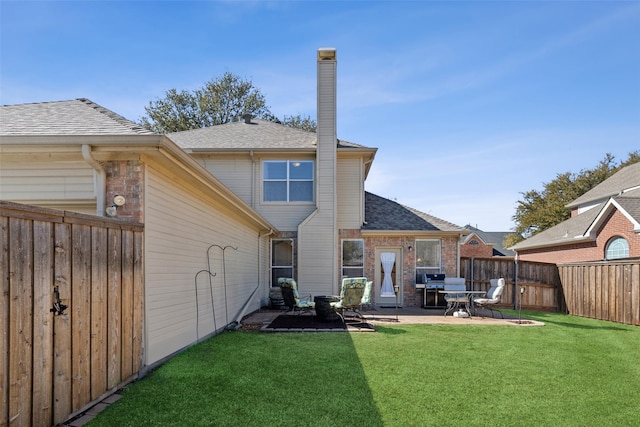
(481, 250)
(411, 296)
(125, 178)
(616, 224)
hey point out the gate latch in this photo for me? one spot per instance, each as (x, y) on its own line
(58, 307)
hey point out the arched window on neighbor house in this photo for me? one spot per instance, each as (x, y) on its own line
(617, 248)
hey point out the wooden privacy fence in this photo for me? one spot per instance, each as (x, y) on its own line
(603, 290)
(543, 290)
(53, 366)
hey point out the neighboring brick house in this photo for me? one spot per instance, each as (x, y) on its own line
(484, 244)
(604, 224)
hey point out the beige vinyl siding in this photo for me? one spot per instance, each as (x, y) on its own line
(317, 235)
(350, 193)
(181, 222)
(234, 171)
(286, 217)
(59, 184)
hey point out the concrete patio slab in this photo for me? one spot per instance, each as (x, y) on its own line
(403, 316)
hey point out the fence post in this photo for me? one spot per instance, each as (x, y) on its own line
(515, 281)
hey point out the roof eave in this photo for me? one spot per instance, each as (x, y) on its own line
(416, 233)
(564, 242)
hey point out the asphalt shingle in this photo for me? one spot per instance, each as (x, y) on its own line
(257, 135)
(74, 117)
(385, 214)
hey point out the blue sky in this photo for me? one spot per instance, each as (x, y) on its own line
(470, 104)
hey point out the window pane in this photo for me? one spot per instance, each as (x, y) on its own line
(428, 253)
(617, 248)
(352, 253)
(275, 170)
(300, 191)
(301, 170)
(282, 253)
(275, 191)
(353, 272)
(276, 273)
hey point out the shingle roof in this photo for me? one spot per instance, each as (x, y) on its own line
(626, 178)
(259, 134)
(495, 237)
(578, 227)
(74, 117)
(386, 215)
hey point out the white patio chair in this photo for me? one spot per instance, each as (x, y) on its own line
(493, 296)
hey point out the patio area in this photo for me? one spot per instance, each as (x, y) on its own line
(261, 320)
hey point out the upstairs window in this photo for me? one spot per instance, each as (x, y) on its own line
(617, 248)
(287, 181)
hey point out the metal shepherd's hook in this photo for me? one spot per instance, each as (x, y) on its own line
(224, 275)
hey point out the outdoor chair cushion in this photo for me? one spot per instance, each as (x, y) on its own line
(289, 289)
(351, 292)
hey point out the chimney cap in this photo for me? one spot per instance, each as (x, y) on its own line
(247, 118)
(327, 54)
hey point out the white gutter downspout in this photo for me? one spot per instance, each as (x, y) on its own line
(253, 178)
(101, 179)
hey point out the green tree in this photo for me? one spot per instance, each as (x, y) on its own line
(300, 122)
(540, 210)
(219, 101)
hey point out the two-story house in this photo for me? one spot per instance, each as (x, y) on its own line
(283, 202)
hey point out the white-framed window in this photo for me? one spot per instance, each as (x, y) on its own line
(281, 259)
(287, 180)
(618, 247)
(353, 258)
(428, 256)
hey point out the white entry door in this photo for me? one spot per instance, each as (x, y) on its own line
(388, 274)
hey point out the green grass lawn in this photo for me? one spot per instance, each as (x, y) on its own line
(570, 372)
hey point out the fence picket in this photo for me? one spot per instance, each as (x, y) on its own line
(62, 325)
(98, 312)
(43, 287)
(21, 321)
(4, 319)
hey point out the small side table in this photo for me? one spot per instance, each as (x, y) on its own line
(324, 311)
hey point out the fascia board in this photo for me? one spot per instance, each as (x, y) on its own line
(610, 205)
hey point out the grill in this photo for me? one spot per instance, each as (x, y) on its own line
(431, 297)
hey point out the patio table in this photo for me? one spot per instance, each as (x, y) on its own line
(467, 295)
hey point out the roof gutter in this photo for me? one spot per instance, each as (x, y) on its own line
(101, 179)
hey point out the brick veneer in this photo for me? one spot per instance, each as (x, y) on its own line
(411, 296)
(481, 250)
(125, 178)
(616, 224)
